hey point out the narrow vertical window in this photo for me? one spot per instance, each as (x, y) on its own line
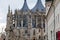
(25, 21)
(34, 21)
(19, 21)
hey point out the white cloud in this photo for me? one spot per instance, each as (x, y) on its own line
(0, 18)
(2, 27)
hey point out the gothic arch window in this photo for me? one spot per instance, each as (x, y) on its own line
(34, 21)
(39, 22)
(19, 20)
(19, 23)
(25, 21)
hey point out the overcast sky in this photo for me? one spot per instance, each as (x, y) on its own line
(14, 4)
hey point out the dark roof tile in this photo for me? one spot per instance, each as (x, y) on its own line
(39, 6)
(25, 7)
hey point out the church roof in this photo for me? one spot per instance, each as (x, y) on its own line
(39, 6)
(25, 7)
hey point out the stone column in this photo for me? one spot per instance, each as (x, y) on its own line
(16, 20)
(46, 29)
(36, 21)
(22, 22)
(42, 38)
(29, 25)
(29, 21)
(42, 21)
(7, 36)
(15, 23)
(22, 27)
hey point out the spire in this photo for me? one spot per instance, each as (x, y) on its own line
(39, 6)
(25, 7)
(9, 9)
(11, 12)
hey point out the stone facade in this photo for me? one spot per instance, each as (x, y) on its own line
(34, 24)
(26, 24)
(52, 20)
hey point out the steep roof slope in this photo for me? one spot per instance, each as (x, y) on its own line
(25, 7)
(39, 6)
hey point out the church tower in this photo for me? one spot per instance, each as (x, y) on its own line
(9, 18)
(9, 24)
(28, 24)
